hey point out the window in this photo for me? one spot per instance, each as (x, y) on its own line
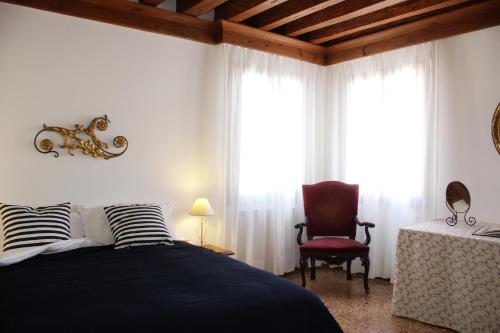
(271, 135)
(385, 148)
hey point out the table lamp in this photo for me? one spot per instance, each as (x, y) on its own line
(201, 207)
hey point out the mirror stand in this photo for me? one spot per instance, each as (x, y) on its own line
(458, 202)
(453, 219)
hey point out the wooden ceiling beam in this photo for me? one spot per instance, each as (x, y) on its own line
(147, 18)
(197, 7)
(383, 16)
(153, 3)
(343, 11)
(242, 35)
(474, 17)
(240, 10)
(287, 12)
(462, 18)
(131, 15)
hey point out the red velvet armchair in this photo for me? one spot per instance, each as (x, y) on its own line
(331, 210)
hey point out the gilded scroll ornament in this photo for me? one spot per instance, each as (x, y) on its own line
(72, 140)
(495, 128)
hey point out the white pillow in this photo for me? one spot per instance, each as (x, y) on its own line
(76, 226)
(96, 226)
(166, 209)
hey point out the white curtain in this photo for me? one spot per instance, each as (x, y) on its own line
(384, 139)
(273, 106)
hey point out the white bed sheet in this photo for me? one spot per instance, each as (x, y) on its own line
(17, 255)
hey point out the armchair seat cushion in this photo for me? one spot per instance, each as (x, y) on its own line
(333, 245)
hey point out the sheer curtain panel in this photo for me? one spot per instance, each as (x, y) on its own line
(384, 139)
(273, 106)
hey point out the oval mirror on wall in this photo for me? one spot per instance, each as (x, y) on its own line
(495, 128)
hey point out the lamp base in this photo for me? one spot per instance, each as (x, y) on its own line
(203, 232)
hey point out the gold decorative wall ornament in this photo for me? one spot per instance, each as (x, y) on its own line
(495, 128)
(93, 146)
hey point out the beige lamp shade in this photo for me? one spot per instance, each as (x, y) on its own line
(201, 207)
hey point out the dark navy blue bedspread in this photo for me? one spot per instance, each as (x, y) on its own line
(180, 288)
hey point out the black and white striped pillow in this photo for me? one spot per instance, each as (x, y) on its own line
(27, 227)
(137, 225)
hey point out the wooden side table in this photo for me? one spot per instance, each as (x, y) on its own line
(217, 249)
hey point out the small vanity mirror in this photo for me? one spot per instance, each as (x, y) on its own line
(495, 128)
(458, 202)
(458, 197)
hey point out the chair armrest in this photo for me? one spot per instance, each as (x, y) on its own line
(366, 224)
(367, 233)
(300, 226)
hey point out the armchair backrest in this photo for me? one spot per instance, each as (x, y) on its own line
(330, 208)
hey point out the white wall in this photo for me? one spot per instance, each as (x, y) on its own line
(61, 70)
(164, 95)
(469, 91)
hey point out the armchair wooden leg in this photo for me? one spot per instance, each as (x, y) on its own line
(365, 261)
(349, 275)
(313, 268)
(303, 264)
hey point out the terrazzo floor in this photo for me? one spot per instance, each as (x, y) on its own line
(356, 311)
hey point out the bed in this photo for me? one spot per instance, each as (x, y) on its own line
(179, 288)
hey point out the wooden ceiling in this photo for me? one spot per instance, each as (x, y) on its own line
(323, 32)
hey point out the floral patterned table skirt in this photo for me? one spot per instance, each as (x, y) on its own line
(445, 276)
